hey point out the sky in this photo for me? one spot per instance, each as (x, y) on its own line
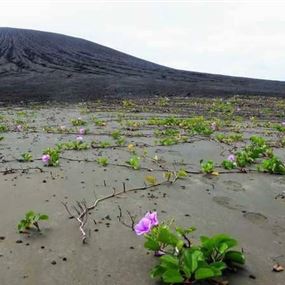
(239, 38)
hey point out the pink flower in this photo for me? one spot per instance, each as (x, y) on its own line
(81, 131)
(152, 216)
(19, 128)
(79, 138)
(231, 158)
(45, 158)
(283, 123)
(143, 226)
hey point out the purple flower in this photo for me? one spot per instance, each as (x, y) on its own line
(81, 131)
(79, 138)
(45, 158)
(143, 226)
(152, 216)
(231, 158)
(283, 123)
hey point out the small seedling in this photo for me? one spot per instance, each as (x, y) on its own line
(207, 166)
(31, 220)
(26, 157)
(181, 173)
(134, 162)
(151, 180)
(103, 161)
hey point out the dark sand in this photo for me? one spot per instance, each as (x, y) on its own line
(242, 205)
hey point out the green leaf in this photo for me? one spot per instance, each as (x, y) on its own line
(218, 265)
(172, 276)
(30, 214)
(169, 261)
(151, 244)
(235, 256)
(43, 217)
(204, 273)
(167, 237)
(223, 247)
(157, 271)
(191, 258)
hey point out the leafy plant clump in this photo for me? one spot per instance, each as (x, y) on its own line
(78, 122)
(3, 128)
(51, 156)
(207, 166)
(103, 161)
(134, 162)
(180, 260)
(30, 220)
(26, 157)
(272, 165)
(229, 139)
(74, 145)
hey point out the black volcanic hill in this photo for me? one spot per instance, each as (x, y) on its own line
(38, 65)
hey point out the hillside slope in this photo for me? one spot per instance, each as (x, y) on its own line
(43, 66)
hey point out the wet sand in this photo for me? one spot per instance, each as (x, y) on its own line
(241, 204)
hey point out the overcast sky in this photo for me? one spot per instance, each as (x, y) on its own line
(243, 38)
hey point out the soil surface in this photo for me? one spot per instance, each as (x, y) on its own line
(249, 205)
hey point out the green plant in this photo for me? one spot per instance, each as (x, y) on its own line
(31, 219)
(3, 128)
(134, 162)
(103, 161)
(229, 165)
(73, 145)
(78, 122)
(280, 128)
(26, 156)
(121, 141)
(128, 103)
(181, 173)
(163, 101)
(116, 134)
(272, 165)
(207, 166)
(180, 260)
(257, 148)
(168, 141)
(166, 132)
(151, 179)
(104, 144)
(229, 139)
(99, 123)
(53, 154)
